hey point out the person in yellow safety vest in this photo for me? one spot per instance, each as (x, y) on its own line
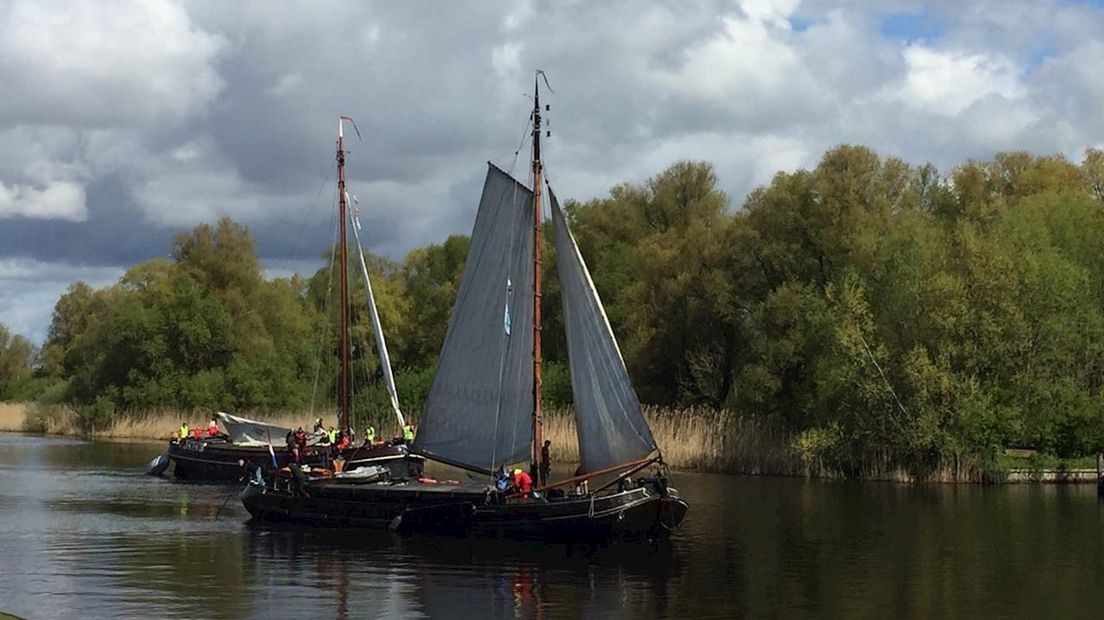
(370, 435)
(183, 430)
(332, 433)
(408, 433)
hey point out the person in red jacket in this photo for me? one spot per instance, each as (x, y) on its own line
(300, 444)
(523, 482)
(212, 428)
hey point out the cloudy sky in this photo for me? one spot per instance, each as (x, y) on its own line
(124, 122)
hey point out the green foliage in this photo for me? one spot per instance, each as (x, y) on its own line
(877, 311)
(204, 331)
(16, 359)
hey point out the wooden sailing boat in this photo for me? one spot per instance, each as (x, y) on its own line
(483, 410)
(257, 444)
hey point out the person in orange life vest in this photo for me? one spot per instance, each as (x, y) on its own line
(343, 441)
(523, 482)
(212, 428)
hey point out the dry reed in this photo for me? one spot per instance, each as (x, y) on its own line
(690, 438)
(695, 438)
(11, 416)
(156, 424)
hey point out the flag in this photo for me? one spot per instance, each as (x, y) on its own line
(271, 451)
(506, 317)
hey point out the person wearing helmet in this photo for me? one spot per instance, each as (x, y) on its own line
(523, 482)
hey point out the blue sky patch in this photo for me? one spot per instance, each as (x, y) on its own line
(911, 26)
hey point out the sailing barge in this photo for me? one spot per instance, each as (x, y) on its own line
(250, 444)
(226, 458)
(483, 410)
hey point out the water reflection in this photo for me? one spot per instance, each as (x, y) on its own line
(441, 577)
(87, 535)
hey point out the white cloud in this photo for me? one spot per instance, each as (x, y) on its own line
(108, 63)
(948, 82)
(287, 84)
(183, 199)
(57, 200)
(774, 12)
(506, 58)
(743, 63)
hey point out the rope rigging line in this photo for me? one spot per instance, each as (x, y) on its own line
(303, 225)
(325, 329)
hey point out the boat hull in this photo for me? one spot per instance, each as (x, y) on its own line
(645, 512)
(217, 461)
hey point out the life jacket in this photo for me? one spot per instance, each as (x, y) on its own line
(332, 435)
(370, 434)
(408, 432)
(212, 430)
(183, 431)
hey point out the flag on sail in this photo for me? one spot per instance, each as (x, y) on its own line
(506, 318)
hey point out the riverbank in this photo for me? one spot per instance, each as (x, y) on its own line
(692, 439)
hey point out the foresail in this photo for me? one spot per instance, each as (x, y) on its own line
(608, 419)
(478, 413)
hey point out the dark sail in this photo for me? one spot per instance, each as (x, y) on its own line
(479, 410)
(608, 419)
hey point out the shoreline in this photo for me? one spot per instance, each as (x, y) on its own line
(1023, 476)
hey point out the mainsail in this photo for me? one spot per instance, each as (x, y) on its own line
(611, 427)
(377, 329)
(246, 432)
(478, 413)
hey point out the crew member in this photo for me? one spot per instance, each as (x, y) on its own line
(332, 435)
(546, 462)
(581, 486)
(501, 480)
(408, 433)
(300, 444)
(522, 482)
(369, 435)
(318, 427)
(183, 430)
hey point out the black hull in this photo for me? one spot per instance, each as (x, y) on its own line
(204, 460)
(641, 513)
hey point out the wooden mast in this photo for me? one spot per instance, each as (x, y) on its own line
(537, 434)
(341, 216)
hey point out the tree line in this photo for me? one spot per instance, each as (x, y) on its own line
(866, 306)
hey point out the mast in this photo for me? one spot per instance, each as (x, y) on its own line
(537, 435)
(342, 207)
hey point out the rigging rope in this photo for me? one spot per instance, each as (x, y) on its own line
(325, 330)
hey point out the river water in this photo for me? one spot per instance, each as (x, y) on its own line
(85, 534)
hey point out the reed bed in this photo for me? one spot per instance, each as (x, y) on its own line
(695, 438)
(11, 416)
(690, 438)
(156, 424)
